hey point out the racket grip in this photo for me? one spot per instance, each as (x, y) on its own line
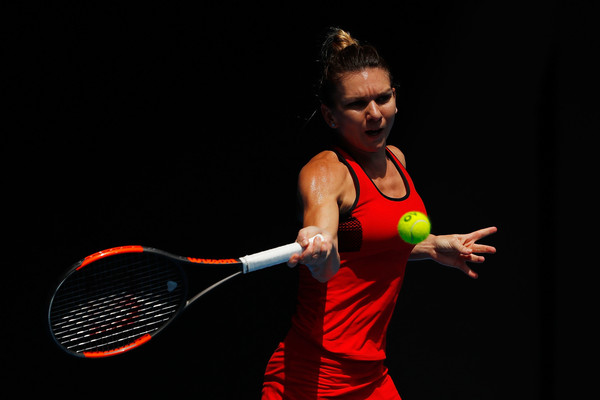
(271, 257)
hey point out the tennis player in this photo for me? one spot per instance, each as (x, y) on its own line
(354, 195)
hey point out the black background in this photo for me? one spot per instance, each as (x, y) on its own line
(179, 127)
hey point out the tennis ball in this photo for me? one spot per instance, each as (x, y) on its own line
(414, 227)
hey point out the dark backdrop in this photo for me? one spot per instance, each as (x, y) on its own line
(180, 127)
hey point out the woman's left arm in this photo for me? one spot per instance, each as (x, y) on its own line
(455, 250)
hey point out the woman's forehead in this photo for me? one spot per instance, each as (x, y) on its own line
(363, 82)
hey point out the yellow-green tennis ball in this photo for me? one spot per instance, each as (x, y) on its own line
(414, 227)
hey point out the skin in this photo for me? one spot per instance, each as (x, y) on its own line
(363, 114)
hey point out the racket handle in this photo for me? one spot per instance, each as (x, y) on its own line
(271, 257)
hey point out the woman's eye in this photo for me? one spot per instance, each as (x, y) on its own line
(358, 104)
(384, 99)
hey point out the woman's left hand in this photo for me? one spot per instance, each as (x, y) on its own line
(456, 250)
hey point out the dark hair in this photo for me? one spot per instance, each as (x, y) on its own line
(341, 53)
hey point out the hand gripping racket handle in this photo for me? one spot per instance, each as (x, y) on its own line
(271, 257)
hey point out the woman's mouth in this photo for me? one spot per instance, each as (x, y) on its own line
(374, 132)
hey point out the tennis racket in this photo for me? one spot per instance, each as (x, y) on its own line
(115, 300)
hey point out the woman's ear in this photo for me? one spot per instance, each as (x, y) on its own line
(328, 116)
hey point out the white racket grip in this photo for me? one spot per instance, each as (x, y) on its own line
(271, 257)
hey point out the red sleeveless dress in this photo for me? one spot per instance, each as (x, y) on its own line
(336, 345)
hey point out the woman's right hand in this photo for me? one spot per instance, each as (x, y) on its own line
(320, 255)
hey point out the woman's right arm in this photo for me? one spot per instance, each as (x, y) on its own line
(321, 184)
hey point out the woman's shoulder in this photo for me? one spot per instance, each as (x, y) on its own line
(325, 162)
(399, 155)
(326, 177)
(324, 168)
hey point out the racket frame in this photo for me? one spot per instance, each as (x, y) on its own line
(250, 263)
(100, 255)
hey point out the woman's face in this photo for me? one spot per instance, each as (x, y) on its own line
(364, 109)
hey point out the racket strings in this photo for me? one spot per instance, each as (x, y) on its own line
(117, 314)
(118, 276)
(115, 301)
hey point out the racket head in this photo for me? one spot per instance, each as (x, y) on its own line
(116, 300)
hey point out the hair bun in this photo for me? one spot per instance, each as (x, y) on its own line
(343, 39)
(335, 41)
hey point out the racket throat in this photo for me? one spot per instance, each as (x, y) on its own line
(211, 287)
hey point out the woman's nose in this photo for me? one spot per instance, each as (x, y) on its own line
(373, 111)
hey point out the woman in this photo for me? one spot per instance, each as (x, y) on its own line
(350, 277)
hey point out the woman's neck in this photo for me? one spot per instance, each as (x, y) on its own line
(373, 163)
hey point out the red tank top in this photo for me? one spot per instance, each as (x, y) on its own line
(349, 315)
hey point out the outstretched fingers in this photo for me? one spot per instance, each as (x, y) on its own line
(471, 250)
(481, 233)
